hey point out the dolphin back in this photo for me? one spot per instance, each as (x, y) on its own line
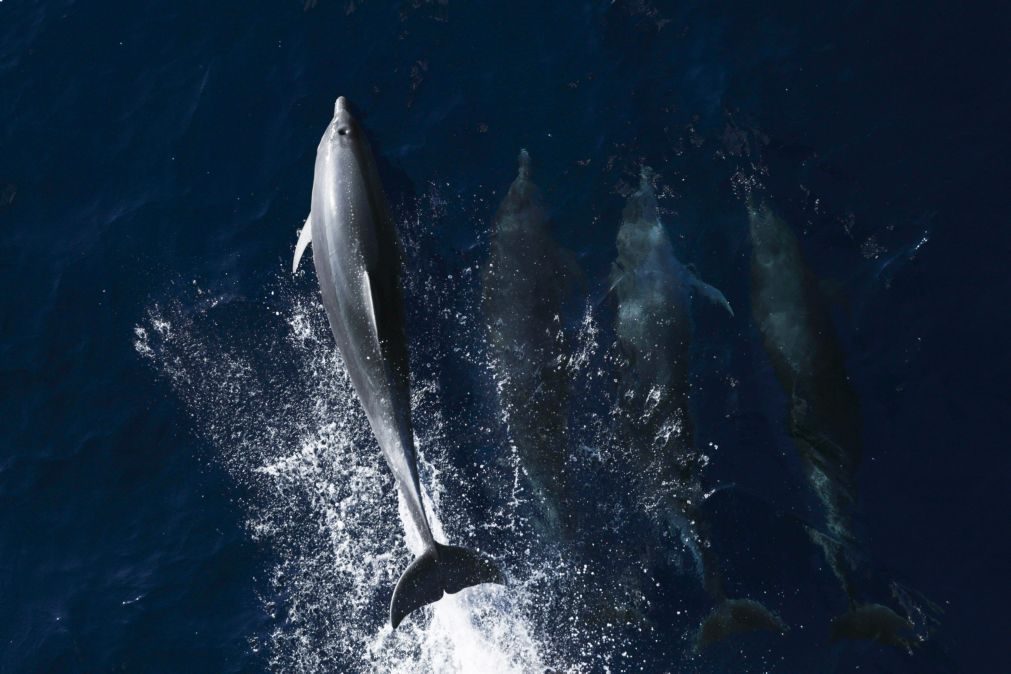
(442, 569)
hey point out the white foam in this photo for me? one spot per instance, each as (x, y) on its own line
(324, 502)
(264, 384)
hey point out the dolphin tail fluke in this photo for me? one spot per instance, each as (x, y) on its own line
(736, 616)
(874, 622)
(442, 569)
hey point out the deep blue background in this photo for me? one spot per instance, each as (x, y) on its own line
(145, 145)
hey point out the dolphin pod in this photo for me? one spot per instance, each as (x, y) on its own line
(653, 292)
(357, 260)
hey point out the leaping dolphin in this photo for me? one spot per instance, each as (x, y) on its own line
(357, 259)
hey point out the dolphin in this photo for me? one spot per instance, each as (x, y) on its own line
(522, 288)
(654, 327)
(357, 258)
(824, 415)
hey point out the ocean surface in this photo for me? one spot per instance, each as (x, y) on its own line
(187, 483)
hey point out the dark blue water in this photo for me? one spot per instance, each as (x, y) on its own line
(156, 163)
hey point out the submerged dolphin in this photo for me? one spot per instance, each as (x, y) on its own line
(655, 330)
(522, 297)
(357, 260)
(824, 415)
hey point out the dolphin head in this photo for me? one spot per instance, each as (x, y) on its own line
(344, 143)
(344, 129)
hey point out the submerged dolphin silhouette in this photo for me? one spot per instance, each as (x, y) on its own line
(824, 413)
(653, 292)
(523, 288)
(357, 260)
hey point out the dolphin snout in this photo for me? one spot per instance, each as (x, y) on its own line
(342, 117)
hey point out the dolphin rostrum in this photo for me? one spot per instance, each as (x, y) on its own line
(357, 259)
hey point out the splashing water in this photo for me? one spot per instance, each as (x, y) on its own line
(290, 430)
(262, 380)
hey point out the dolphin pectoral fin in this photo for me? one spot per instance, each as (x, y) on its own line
(712, 294)
(443, 569)
(370, 304)
(304, 237)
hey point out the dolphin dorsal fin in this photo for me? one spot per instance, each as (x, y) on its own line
(304, 237)
(370, 307)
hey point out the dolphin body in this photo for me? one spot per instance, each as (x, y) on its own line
(654, 326)
(824, 415)
(357, 260)
(522, 297)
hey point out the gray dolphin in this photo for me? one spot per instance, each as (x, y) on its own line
(523, 290)
(357, 259)
(824, 414)
(654, 327)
